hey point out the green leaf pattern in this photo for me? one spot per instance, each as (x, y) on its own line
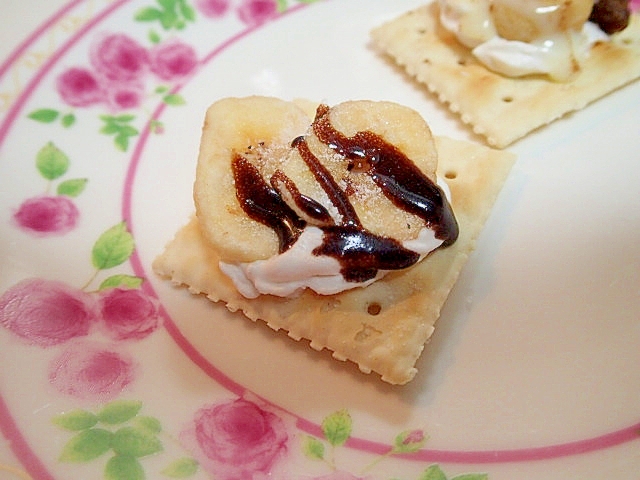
(51, 162)
(135, 442)
(124, 467)
(113, 247)
(118, 412)
(434, 472)
(121, 280)
(50, 115)
(313, 448)
(337, 428)
(76, 420)
(148, 424)
(118, 431)
(121, 128)
(72, 187)
(170, 14)
(87, 445)
(181, 468)
(44, 115)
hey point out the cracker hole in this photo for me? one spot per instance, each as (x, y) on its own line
(426, 61)
(374, 308)
(627, 41)
(507, 99)
(450, 174)
(462, 62)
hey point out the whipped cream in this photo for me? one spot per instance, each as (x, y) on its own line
(289, 273)
(553, 53)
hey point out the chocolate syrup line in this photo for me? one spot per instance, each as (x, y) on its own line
(328, 184)
(263, 204)
(361, 253)
(399, 178)
(307, 205)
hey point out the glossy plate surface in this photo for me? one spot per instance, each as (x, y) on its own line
(533, 369)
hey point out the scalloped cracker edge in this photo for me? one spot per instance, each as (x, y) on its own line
(502, 109)
(384, 327)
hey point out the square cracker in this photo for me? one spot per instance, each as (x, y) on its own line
(500, 108)
(382, 327)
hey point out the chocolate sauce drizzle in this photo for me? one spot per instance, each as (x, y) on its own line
(360, 252)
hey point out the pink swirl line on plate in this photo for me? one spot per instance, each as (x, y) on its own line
(601, 442)
(18, 444)
(432, 455)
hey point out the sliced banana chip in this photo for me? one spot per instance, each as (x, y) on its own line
(272, 142)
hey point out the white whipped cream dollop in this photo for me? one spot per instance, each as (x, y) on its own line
(554, 53)
(290, 272)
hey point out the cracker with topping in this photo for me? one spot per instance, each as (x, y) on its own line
(383, 326)
(500, 108)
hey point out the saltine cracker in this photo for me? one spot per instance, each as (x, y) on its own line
(500, 108)
(384, 327)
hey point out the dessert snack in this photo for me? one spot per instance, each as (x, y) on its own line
(365, 175)
(493, 76)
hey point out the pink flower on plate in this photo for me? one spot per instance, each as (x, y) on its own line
(128, 313)
(46, 312)
(47, 215)
(120, 58)
(255, 12)
(79, 87)
(240, 440)
(124, 96)
(173, 60)
(90, 371)
(212, 8)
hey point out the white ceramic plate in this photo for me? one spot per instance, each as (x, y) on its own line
(533, 369)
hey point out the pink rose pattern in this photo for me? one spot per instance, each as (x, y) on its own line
(90, 371)
(46, 214)
(119, 58)
(239, 439)
(172, 61)
(212, 8)
(47, 312)
(250, 12)
(124, 96)
(255, 12)
(80, 87)
(120, 65)
(128, 314)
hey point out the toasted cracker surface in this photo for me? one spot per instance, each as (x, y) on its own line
(384, 327)
(500, 108)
